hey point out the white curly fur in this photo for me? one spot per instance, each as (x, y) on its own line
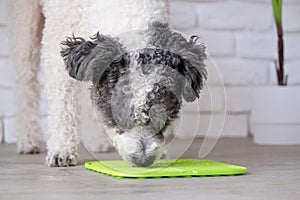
(62, 18)
(25, 53)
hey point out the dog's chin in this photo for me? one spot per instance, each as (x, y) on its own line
(138, 152)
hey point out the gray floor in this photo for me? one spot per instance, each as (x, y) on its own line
(273, 173)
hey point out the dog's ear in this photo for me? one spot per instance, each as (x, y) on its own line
(194, 71)
(87, 60)
(191, 53)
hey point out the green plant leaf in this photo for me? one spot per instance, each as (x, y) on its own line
(277, 10)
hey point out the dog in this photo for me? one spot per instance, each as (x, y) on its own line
(38, 27)
(138, 92)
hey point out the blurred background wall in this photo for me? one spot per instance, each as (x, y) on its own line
(240, 37)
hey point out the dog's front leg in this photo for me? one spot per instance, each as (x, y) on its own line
(62, 123)
(63, 140)
(25, 39)
(62, 18)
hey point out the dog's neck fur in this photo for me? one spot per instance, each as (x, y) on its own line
(125, 15)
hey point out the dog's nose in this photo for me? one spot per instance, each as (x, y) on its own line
(143, 161)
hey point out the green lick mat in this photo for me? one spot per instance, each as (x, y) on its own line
(166, 168)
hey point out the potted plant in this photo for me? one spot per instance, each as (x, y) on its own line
(275, 113)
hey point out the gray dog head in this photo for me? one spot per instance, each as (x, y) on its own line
(138, 92)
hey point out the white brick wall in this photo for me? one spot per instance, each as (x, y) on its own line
(7, 79)
(232, 15)
(7, 96)
(293, 69)
(241, 39)
(4, 35)
(1, 131)
(238, 99)
(289, 15)
(205, 104)
(7, 105)
(180, 9)
(236, 71)
(256, 45)
(213, 39)
(3, 12)
(292, 47)
(191, 125)
(10, 129)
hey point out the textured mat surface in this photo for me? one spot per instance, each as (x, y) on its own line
(166, 168)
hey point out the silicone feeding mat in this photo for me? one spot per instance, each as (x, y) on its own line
(166, 168)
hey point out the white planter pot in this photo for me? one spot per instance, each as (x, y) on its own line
(275, 115)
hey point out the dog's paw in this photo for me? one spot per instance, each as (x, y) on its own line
(29, 146)
(61, 159)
